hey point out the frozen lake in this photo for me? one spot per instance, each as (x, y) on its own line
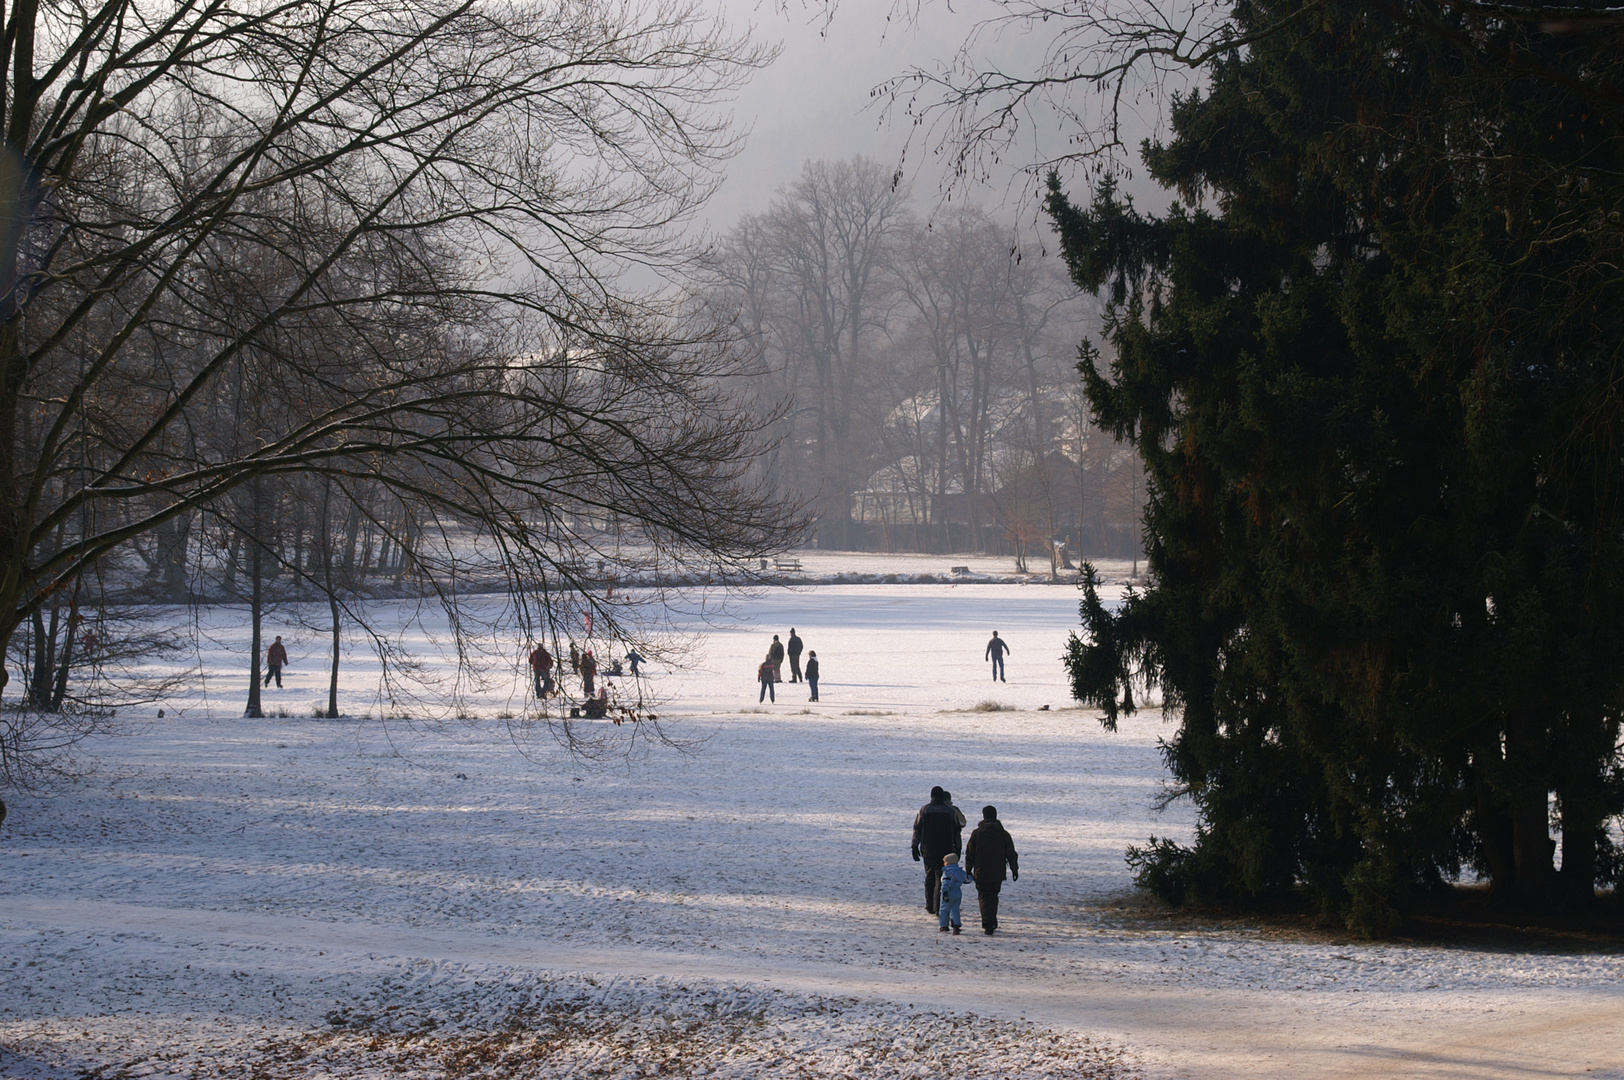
(224, 890)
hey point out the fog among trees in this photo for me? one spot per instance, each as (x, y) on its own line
(926, 369)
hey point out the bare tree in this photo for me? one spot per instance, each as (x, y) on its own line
(406, 222)
(835, 229)
(1082, 99)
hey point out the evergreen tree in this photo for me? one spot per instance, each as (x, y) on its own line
(1372, 363)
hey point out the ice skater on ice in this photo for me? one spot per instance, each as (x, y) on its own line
(764, 675)
(794, 654)
(996, 648)
(541, 664)
(589, 672)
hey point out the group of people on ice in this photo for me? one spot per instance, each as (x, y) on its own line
(584, 665)
(771, 670)
(938, 843)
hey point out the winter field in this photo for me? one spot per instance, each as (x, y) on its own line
(436, 890)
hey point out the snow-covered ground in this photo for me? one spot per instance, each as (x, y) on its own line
(454, 896)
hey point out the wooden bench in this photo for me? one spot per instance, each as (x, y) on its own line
(787, 564)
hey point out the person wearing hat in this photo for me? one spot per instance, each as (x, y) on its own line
(794, 654)
(936, 833)
(812, 674)
(990, 849)
(764, 676)
(954, 879)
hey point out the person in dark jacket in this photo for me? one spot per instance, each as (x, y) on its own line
(541, 662)
(589, 672)
(276, 658)
(776, 655)
(764, 676)
(937, 833)
(794, 653)
(990, 850)
(996, 648)
(812, 673)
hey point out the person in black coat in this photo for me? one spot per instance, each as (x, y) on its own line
(990, 850)
(996, 648)
(937, 833)
(794, 653)
(812, 673)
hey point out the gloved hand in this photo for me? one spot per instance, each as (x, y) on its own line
(1014, 875)
(916, 855)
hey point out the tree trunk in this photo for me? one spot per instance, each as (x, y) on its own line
(1499, 853)
(332, 680)
(325, 549)
(352, 530)
(59, 691)
(44, 643)
(1582, 817)
(255, 611)
(171, 542)
(1531, 843)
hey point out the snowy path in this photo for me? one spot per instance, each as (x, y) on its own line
(220, 886)
(1183, 1031)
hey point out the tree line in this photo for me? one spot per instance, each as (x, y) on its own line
(924, 368)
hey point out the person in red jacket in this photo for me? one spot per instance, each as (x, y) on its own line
(276, 658)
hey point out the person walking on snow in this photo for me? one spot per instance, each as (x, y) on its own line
(575, 659)
(589, 671)
(990, 849)
(764, 675)
(634, 658)
(541, 663)
(276, 658)
(996, 648)
(812, 673)
(936, 834)
(794, 656)
(954, 879)
(776, 655)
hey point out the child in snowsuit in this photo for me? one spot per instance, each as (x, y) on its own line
(953, 881)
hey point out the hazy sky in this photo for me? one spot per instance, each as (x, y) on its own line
(813, 103)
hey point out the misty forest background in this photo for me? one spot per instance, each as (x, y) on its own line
(926, 365)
